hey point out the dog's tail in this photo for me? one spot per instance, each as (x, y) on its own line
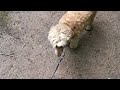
(59, 35)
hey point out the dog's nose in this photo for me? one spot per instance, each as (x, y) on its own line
(59, 54)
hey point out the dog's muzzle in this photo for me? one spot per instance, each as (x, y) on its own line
(58, 51)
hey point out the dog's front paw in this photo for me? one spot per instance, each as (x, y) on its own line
(88, 28)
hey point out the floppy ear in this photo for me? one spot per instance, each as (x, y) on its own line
(61, 43)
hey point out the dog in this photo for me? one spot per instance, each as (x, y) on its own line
(69, 28)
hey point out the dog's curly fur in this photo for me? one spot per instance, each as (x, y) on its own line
(69, 28)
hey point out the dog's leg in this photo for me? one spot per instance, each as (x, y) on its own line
(74, 43)
(89, 26)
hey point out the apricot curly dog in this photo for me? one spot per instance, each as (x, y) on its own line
(69, 28)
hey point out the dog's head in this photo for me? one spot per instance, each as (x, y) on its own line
(59, 36)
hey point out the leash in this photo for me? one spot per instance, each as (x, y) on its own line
(59, 61)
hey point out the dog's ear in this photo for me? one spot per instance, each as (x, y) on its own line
(62, 43)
